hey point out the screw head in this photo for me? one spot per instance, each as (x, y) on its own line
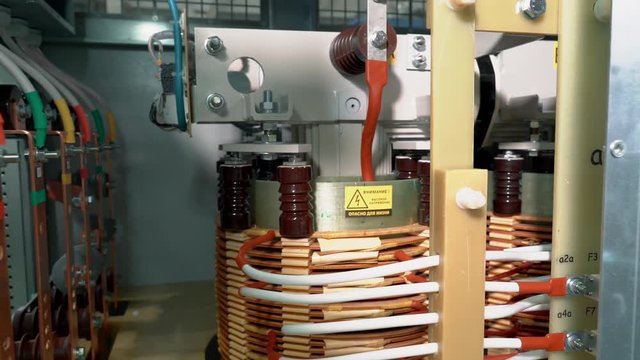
(618, 148)
(419, 61)
(213, 45)
(533, 8)
(215, 102)
(379, 39)
(419, 43)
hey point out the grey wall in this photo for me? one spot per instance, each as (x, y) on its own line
(166, 181)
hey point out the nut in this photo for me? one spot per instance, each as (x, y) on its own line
(419, 43)
(214, 45)
(533, 8)
(419, 61)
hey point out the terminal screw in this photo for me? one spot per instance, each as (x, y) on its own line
(379, 40)
(215, 102)
(533, 8)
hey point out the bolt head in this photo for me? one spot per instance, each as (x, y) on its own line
(618, 148)
(213, 45)
(379, 39)
(419, 61)
(215, 102)
(533, 8)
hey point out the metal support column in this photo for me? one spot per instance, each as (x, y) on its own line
(619, 337)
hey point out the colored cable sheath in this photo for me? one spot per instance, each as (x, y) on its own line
(3, 140)
(518, 256)
(99, 125)
(85, 130)
(157, 37)
(177, 41)
(342, 296)
(58, 92)
(529, 355)
(377, 74)
(33, 98)
(385, 354)
(553, 287)
(541, 247)
(335, 327)
(549, 342)
(493, 312)
(39, 57)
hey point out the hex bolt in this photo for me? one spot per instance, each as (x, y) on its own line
(618, 148)
(574, 342)
(379, 40)
(576, 286)
(79, 353)
(215, 102)
(533, 8)
(268, 105)
(214, 45)
(419, 43)
(419, 61)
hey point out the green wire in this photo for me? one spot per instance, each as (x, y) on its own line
(97, 119)
(39, 118)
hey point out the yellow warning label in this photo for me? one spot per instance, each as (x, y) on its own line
(368, 200)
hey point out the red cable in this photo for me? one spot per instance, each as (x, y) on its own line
(550, 342)
(271, 345)
(553, 287)
(377, 74)
(83, 122)
(241, 259)
(3, 139)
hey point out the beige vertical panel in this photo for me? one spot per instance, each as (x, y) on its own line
(580, 130)
(461, 243)
(457, 235)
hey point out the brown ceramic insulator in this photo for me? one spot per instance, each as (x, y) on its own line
(348, 51)
(29, 349)
(84, 323)
(507, 172)
(25, 323)
(406, 168)
(296, 220)
(235, 214)
(60, 321)
(424, 173)
(267, 169)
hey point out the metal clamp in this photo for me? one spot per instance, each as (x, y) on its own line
(377, 30)
(44, 155)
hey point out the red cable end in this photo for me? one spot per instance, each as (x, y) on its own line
(402, 256)
(241, 259)
(257, 285)
(413, 278)
(550, 342)
(553, 287)
(271, 345)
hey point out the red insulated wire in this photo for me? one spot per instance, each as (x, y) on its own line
(377, 74)
(83, 122)
(241, 259)
(549, 342)
(271, 345)
(553, 287)
(3, 139)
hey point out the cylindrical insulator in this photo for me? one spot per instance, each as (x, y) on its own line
(406, 168)
(25, 322)
(424, 173)
(235, 214)
(84, 323)
(296, 220)
(267, 168)
(348, 51)
(508, 172)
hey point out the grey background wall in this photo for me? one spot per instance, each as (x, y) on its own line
(166, 181)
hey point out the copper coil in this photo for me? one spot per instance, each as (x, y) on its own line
(348, 50)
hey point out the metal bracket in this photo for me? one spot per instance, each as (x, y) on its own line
(377, 30)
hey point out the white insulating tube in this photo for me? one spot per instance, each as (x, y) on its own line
(532, 248)
(383, 270)
(502, 343)
(335, 327)
(518, 256)
(23, 82)
(386, 354)
(342, 296)
(345, 276)
(494, 312)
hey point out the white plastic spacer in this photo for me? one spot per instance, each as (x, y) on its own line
(469, 199)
